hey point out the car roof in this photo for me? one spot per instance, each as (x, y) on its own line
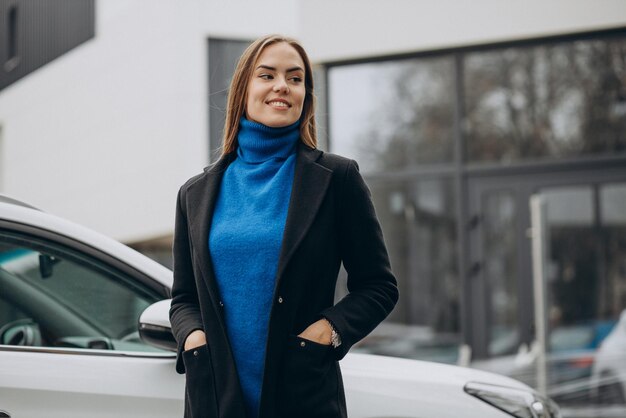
(12, 201)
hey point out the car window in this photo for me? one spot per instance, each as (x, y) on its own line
(571, 338)
(53, 296)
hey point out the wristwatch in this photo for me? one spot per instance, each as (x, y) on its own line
(335, 339)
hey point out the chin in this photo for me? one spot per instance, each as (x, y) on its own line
(277, 122)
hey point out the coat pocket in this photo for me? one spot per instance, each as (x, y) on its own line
(200, 395)
(310, 380)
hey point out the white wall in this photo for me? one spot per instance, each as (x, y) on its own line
(249, 19)
(105, 134)
(348, 29)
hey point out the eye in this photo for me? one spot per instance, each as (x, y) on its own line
(266, 76)
(296, 79)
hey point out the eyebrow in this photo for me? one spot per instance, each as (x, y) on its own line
(289, 70)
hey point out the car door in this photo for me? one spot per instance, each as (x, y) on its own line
(69, 345)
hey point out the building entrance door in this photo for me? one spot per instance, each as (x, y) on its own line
(585, 242)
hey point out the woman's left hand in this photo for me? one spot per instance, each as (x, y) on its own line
(319, 332)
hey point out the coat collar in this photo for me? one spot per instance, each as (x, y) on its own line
(311, 180)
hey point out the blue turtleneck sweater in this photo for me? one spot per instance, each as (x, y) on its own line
(245, 240)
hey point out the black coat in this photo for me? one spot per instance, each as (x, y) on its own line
(330, 220)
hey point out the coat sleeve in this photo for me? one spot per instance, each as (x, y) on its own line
(372, 287)
(184, 311)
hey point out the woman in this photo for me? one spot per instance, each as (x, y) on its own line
(258, 243)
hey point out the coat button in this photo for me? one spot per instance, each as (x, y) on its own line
(221, 304)
(302, 343)
(280, 299)
(195, 353)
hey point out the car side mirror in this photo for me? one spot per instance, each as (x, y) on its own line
(155, 328)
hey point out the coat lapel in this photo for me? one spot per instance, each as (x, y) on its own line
(309, 188)
(310, 183)
(201, 198)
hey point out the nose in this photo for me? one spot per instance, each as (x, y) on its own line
(281, 86)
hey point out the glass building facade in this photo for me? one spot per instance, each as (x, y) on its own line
(453, 144)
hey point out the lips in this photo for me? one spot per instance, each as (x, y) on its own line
(279, 103)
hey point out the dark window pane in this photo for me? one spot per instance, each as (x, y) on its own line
(223, 57)
(612, 286)
(419, 226)
(552, 101)
(500, 270)
(393, 115)
(573, 254)
(574, 275)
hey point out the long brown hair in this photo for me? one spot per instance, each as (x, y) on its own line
(237, 94)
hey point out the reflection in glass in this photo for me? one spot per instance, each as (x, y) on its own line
(552, 101)
(586, 282)
(573, 277)
(613, 217)
(586, 291)
(419, 226)
(558, 100)
(393, 114)
(573, 255)
(609, 368)
(500, 270)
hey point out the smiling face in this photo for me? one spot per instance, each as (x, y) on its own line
(276, 90)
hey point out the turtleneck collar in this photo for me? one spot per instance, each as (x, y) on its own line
(259, 143)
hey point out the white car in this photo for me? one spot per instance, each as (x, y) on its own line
(72, 343)
(608, 377)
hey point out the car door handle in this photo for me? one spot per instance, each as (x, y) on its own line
(4, 414)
